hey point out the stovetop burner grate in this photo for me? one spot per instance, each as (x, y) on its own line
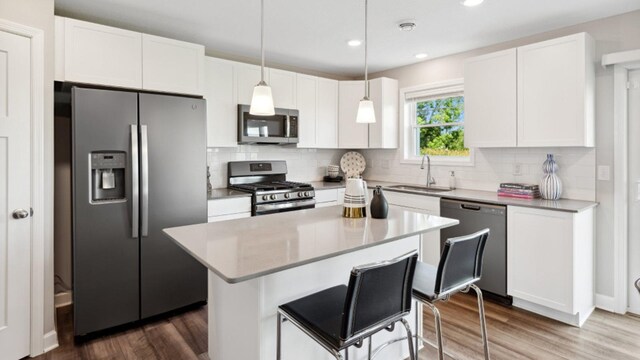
(271, 186)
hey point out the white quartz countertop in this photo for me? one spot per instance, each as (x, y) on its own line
(244, 249)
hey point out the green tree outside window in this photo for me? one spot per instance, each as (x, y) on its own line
(440, 124)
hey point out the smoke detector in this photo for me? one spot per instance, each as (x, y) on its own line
(407, 25)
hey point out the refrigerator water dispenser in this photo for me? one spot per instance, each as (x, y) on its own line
(107, 176)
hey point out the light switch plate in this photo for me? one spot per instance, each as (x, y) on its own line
(604, 173)
(517, 169)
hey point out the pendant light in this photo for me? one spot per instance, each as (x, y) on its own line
(262, 100)
(366, 113)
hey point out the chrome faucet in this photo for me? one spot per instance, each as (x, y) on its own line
(430, 179)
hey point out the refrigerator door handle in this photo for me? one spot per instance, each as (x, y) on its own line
(135, 178)
(144, 184)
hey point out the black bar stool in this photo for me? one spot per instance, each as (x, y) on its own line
(378, 296)
(460, 267)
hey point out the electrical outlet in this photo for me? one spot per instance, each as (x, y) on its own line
(604, 173)
(517, 169)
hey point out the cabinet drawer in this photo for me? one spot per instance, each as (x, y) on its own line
(229, 206)
(423, 202)
(326, 195)
(229, 217)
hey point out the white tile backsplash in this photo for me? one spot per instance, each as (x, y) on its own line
(493, 166)
(302, 164)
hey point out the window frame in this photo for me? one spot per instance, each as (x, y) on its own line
(408, 113)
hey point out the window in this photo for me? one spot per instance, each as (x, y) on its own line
(434, 115)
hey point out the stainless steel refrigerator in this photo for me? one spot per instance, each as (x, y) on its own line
(139, 166)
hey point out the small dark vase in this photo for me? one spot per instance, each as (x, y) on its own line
(379, 205)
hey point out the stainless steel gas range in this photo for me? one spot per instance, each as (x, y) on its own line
(267, 182)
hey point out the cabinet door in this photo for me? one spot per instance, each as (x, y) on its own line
(540, 257)
(383, 134)
(172, 66)
(490, 102)
(306, 94)
(351, 135)
(219, 91)
(247, 77)
(283, 88)
(102, 55)
(327, 114)
(555, 92)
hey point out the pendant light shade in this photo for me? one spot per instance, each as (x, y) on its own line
(262, 100)
(366, 113)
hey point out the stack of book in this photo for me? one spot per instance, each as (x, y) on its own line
(519, 191)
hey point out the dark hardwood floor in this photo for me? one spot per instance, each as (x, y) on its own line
(513, 334)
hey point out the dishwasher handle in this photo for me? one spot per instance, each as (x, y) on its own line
(470, 207)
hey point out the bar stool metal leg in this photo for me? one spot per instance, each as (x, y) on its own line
(438, 324)
(412, 354)
(483, 321)
(278, 335)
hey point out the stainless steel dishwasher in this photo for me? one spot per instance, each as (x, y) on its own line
(475, 216)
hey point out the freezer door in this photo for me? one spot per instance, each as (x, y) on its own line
(173, 193)
(105, 253)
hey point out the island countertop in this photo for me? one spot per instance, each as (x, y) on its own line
(244, 249)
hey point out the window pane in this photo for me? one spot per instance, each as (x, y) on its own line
(442, 141)
(440, 111)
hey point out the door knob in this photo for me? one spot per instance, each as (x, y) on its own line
(20, 214)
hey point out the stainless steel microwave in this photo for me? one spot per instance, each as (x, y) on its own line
(280, 128)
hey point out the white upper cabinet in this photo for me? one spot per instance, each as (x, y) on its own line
(384, 133)
(283, 88)
(219, 91)
(317, 101)
(556, 81)
(98, 54)
(102, 55)
(247, 77)
(537, 95)
(381, 135)
(327, 114)
(351, 135)
(307, 99)
(490, 87)
(172, 66)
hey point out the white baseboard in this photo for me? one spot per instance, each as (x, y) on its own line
(63, 299)
(50, 340)
(605, 302)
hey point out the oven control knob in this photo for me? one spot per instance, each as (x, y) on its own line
(300, 194)
(273, 197)
(287, 195)
(265, 197)
(306, 193)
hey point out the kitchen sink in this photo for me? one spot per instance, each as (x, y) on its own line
(414, 188)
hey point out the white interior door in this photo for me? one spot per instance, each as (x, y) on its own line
(634, 191)
(15, 198)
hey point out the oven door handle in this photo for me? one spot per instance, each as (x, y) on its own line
(286, 205)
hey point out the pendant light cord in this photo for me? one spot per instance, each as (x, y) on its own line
(262, 40)
(366, 45)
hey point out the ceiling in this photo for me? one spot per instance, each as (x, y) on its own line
(313, 35)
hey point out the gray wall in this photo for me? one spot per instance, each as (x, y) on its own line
(618, 33)
(39, 14)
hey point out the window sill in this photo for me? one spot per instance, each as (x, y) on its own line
(435, 161)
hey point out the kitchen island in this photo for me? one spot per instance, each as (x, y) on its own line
(258, 263)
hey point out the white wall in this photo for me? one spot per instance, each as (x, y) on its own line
(612, 34)
(302, 164)
(39, 14)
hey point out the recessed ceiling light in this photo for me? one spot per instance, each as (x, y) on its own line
(407, 25)
(471, 3)
(354, 43)
(421, 55)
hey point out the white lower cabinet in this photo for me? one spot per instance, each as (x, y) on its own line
(550, 262)
(427, 204)
(325, 198)
(229, 208)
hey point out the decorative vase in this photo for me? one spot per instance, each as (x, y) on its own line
(550, 185)
(379, 205)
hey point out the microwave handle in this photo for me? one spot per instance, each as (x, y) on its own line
(288, 127)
